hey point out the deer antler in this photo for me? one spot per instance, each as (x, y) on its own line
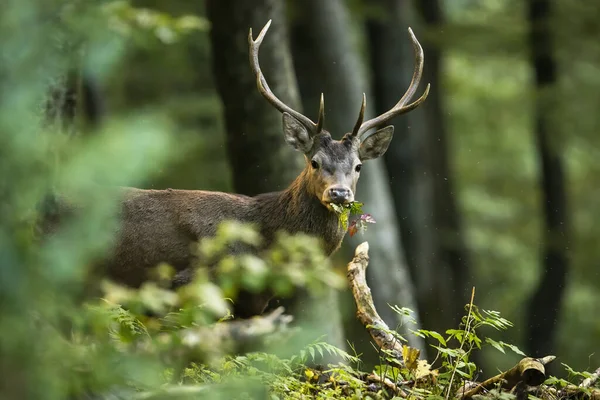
(360, 128)
(264, 89)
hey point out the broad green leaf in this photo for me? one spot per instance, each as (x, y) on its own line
(495, 345)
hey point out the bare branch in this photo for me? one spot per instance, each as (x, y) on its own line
(202, 342)
(366, 312)
(530, 371)
(589, 382)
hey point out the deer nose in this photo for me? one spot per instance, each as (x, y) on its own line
(339, 195)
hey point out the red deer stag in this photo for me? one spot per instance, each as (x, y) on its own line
(161, 225)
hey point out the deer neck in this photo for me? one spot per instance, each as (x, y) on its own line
(296, 210)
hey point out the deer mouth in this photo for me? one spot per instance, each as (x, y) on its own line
(329, 204)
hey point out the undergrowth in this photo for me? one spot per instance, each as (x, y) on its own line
(170, 336)
(265, 374)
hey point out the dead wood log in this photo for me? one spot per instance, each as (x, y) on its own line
(530, 371)
(584, 391)
(365, 309)
(387, 383)
(235, 335)
(575, 392)
(589, 382)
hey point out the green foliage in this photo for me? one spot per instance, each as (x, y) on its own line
(344, 212)
(488, 84)
(291, 262)
(454, 350)
(261, 374)
(128, 20)
(169, 132)
(167, 341)
(321, 348)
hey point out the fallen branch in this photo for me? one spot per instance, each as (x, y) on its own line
(525, 377)
(232, 335)
(589, 382)
(365, 309)
(575, 392)
(386, 382)
(530, 371)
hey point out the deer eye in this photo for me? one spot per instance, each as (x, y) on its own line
(314, 164)
(358, 167)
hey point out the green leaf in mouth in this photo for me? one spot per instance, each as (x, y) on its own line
(344, 211)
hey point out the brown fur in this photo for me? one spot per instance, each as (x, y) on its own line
(161, 225)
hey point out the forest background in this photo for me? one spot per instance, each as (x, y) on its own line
(491, 183)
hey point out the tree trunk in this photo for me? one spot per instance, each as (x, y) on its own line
(545, 303)
(261, 160)
(73, 106)
(407, 159)
(453, 276)
(327, 58)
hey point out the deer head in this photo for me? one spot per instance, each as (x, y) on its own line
(333, 166)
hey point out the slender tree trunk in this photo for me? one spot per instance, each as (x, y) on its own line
(261, 160)
(454, 280)
(327, 58)
(92, 107)
(407, 160)
(73, 104)
(546, 301)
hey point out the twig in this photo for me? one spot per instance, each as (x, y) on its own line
(387, 383)
(365, 309)
(462, 343)
(589, 382)
(530, 371)
(466, 386)
(573, 390)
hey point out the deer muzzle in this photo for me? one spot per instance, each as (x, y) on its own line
(338, 195)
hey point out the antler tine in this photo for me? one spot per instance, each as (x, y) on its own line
(361, 116)
(321, 119)
(401, 107)
(264, 89)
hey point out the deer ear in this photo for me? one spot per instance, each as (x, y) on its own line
(376, 145)
(296, 134)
